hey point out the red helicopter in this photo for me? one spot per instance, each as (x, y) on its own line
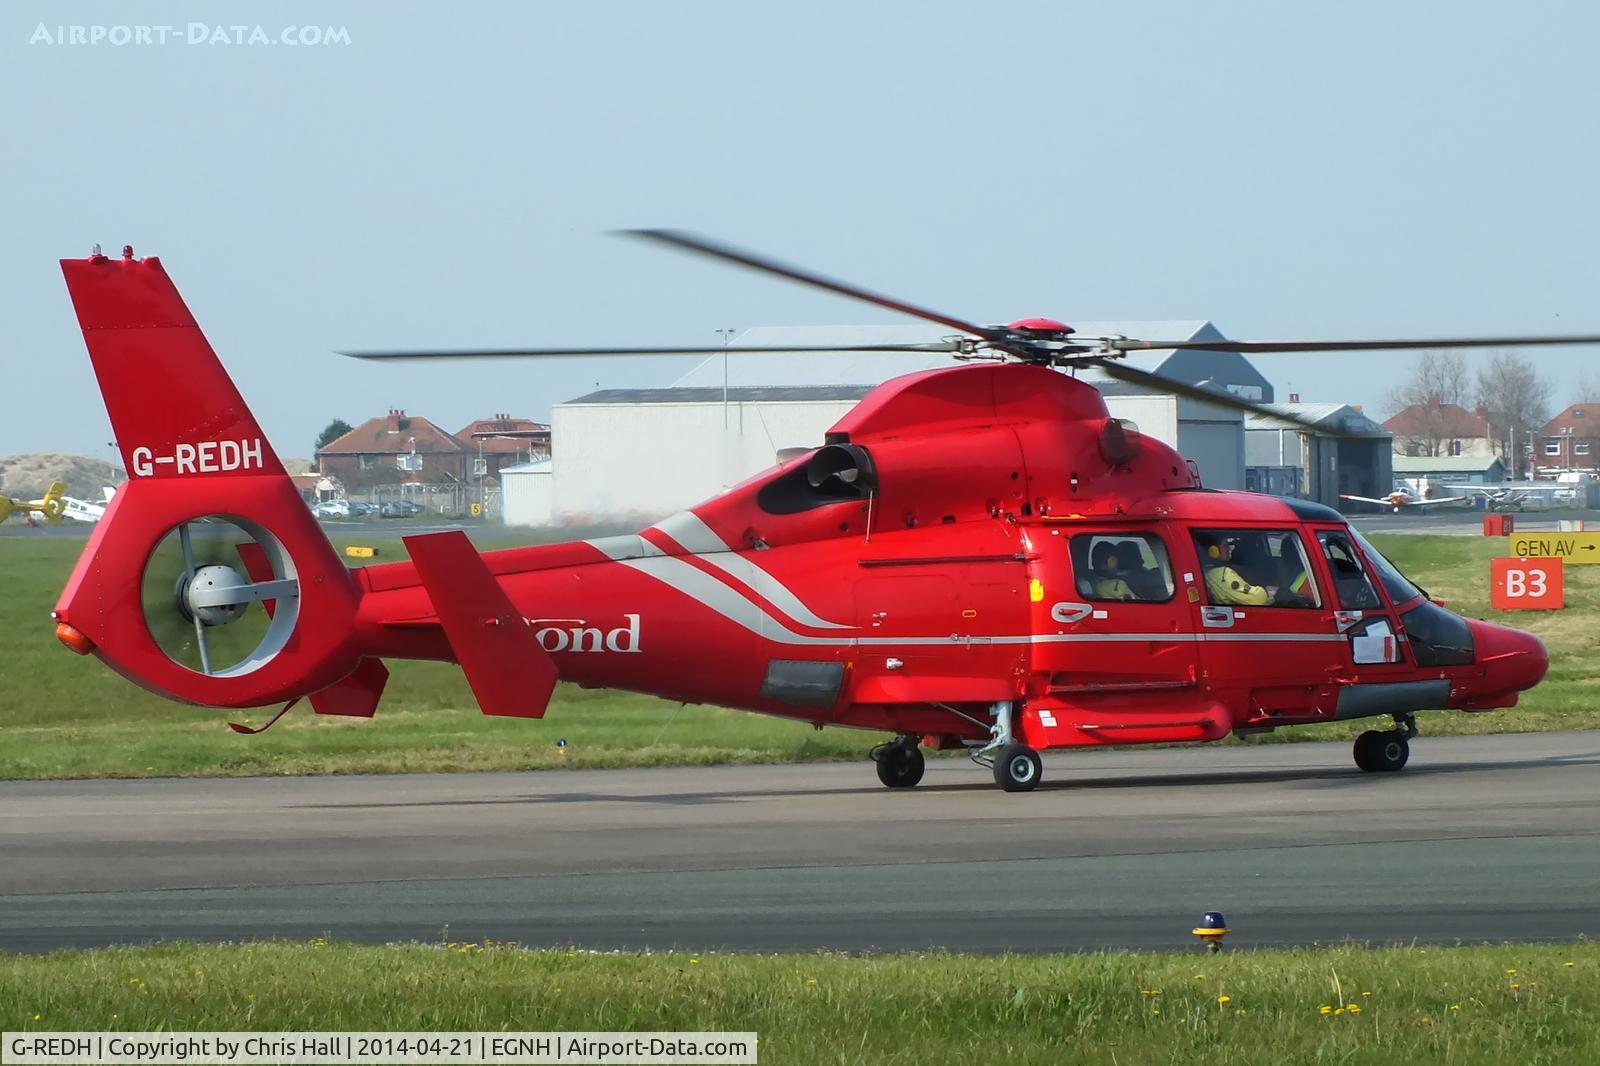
(976, 558)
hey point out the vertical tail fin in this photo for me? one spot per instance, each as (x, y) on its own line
(174, 410)
(197, 462)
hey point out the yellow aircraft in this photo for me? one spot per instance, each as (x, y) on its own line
(50, 507)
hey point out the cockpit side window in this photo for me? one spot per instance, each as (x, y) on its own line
(1350, 581)
(1400, 590)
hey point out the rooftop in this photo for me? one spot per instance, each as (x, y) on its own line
(393, 434)
(1445, 464)
(735, 394)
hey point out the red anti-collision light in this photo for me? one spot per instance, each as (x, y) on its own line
(1043, 325)
(73, 639)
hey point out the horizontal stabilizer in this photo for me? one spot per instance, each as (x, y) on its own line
(510, 672)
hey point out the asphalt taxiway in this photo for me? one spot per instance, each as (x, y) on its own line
(1480, 838)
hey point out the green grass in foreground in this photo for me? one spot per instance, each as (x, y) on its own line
(1522, 1003)
(62, 716)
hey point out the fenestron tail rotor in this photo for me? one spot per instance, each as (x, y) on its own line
(201, 605)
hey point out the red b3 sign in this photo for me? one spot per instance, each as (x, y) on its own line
(1526, 585)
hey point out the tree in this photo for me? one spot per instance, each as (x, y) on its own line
(1516, 401)
(1437, 380)
(335, 429)
(1588, 390)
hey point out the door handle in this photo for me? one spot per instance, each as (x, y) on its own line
(1216, 617)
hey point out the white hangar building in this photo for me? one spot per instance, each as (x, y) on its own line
(622, 455)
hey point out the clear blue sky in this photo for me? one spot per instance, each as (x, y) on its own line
(448, 177)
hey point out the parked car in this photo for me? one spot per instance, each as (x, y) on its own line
(332, 509)
(363, 510)
(399, 509)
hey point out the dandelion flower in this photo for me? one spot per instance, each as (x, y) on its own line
(1425, 1020)
(1366, 995)
(1224, 999)
(1455, 1006)
(1199, 977)
(1339, 1010)
(1354, 1008)
(1515, 985)
(812, 981)
(1570, 965)
(1325, 1009)
(252, 995)
(1512, 969)
(37, 1017)
(694, 962)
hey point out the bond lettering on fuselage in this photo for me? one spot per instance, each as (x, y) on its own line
(567, 634)
(207, 457)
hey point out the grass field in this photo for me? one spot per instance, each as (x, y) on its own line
(63, 716)
(1352, 1005)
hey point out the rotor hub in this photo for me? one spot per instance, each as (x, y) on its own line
(213, 578)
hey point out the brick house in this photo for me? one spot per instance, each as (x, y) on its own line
(1441, 429)
(500, 441)
(395, 449)
(1570, 440)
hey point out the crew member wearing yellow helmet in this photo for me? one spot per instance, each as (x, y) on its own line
(1104, 579)
(1226, 584)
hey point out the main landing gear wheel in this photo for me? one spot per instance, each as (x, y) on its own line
(1017, 768)
(1382, 751)
(900, 763)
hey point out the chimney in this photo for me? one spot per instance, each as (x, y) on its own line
(1294, 397)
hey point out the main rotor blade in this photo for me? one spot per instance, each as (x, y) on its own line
(401, 354)
(697, 245)
(1382, 344)
(1157, 383)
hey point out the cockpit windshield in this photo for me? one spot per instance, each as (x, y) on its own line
(1394, 582)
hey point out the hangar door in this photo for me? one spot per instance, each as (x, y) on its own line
(1218, 448)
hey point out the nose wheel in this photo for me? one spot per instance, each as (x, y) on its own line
(900, 762)
(1017, 768)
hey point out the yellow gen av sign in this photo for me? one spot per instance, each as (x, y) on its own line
(1573, 548)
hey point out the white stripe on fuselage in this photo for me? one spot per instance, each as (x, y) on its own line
(702, 542)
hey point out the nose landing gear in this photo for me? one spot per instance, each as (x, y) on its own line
(1017, 767)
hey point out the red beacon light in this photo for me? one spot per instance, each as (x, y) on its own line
(1042, 325)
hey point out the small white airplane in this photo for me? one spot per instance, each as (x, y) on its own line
(1503, 499)
(1402, 498)
(86, 510)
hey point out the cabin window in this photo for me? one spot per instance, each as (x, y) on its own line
(1350, 580)
(1455, 447)
(1255, 568)
(1122, 567)
(1580, 447)
(1552, 447)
